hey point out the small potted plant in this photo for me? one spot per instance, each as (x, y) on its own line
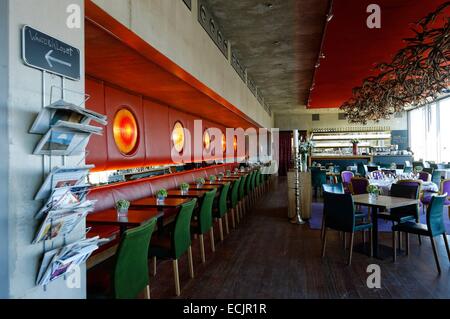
(220, 176)
(212, 179)
(161, 195)
(184, 187)
(228, 172)
(200, 182)
(418, 169)
(355, 143)
(122, 206)
(373, 191)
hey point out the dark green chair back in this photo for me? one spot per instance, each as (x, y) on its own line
(253, 181)
(235, 193)
(361, 169)
(130, 275)
(181, 236)
(258, 178)
(242, 187)
(205, 215)
(340, 211)
(435, 217)
(318, 177)
(248, 186)
(436, 177)
(223, 207)
(333, 188)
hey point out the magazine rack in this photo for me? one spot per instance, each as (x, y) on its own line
(53, 145)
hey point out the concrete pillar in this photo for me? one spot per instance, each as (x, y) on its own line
(23, 93)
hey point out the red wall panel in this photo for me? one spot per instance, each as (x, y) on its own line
(157, 133)
(115, 100)
(97, 153)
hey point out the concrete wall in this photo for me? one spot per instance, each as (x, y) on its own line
(23, 171)
(330, 120)
(172, 29)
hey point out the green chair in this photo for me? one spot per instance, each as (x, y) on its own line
(178, 243)
(242, 195)
(252, 187)
(128, 270)
(204, 224)
(318, 178)
(221, 210)
(435, 227)
(248, 190)
(234, 200)
(341, 216)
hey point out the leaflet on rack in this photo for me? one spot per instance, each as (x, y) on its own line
(65, 113)
(58, 262)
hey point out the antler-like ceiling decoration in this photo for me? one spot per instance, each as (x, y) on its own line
(417, 74)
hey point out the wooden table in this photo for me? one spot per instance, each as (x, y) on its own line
(134, 218)
(207, 186)
(381, 202)
(191, 193)
(152, 202)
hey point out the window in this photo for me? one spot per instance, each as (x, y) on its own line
(429, 133)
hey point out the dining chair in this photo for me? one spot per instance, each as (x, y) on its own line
(242, 195)
(178, 242)
(318, 178)
(221, 210)
(248, 190)
(425, 176)
(358, 185)
(126, 275)
(428, 170)
(436, 177)
(378, 175)
(434, 227)
(204, 223)
(403, 214)
(346, 180)
(233, 204)
(341, 216)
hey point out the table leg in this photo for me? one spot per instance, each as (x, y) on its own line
(375, 231)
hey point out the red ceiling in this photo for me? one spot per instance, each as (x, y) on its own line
(352, 49)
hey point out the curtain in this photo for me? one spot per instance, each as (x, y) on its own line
(285, 155)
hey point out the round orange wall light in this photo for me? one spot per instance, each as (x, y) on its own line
(206, 140)
(178, 137)
(126, 132)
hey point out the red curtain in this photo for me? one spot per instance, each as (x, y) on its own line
(285, 153)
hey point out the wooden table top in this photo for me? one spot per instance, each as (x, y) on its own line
(151, 202)
(133, 219)
(191, 193)
(384, 201)
(206, 186)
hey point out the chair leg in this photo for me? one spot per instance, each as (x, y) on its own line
(202, 248)
(322, 229)
(352, 237)
(324, 243)
(176, 277)
(221, 229)
(227, 229)
(400, 240)
(154, 266)
(436, 258)
(190, 262)
(394, 246)
(147, 292)
(446, 245)
(407, 243)
(420, 240)
(211, 237)
(344, 236)
(233, 220)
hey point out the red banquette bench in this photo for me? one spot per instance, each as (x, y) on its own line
(107, 196)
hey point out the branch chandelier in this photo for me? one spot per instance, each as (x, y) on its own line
(417, 75)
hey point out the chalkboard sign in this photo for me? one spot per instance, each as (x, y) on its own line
(400, 138)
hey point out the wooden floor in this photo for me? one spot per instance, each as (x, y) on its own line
(266, 257)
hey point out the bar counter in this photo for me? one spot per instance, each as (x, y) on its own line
(342, 160)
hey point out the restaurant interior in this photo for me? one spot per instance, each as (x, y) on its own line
(247, 149)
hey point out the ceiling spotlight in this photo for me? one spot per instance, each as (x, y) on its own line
(317, 65)
(329, 17)
(322, 56)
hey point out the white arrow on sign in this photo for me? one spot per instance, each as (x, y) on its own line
(49, 58)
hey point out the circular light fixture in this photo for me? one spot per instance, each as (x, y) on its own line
(235, 143)
(206, 140)
(178, 137)
(125, 131)
(224, 143)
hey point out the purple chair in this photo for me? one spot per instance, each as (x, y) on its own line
(444, 189)
(346, 180)
(377, 175)
(424, 176)
(359, 185)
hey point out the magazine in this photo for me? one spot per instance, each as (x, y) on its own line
(64, 113)
(63, 141)
(58, 262)
(61, 177)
